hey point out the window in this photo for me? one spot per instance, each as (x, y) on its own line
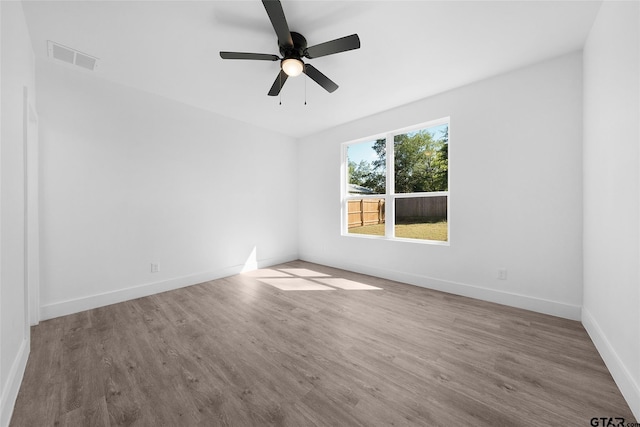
(397, 185)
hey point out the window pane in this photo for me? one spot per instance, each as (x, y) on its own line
(366, 216)
(421, 160)
(422, 218)
(367, 167)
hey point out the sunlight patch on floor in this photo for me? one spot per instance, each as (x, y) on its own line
(296, 284)
(304, 279)
(266, 272)
(303, 272)
(345, 284)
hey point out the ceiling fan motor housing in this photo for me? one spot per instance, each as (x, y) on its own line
(298, 50)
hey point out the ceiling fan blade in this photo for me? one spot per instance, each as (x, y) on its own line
(320, 78)
(277, 85)
(334, 46)
(246, 55)
(279, 22)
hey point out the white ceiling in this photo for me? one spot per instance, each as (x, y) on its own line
(410, 50)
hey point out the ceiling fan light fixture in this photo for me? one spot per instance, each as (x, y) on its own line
(292, 67)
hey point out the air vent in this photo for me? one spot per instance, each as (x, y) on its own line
(71, 56)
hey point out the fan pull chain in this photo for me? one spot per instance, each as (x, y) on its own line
(305, 91)
(280, 93)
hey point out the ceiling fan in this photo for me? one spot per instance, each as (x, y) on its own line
(293, 47)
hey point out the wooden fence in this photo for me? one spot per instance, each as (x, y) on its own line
(366, 212)
(372, 211)
(430, 207)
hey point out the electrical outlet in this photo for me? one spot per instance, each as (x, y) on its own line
(502, 274)
(155, 267)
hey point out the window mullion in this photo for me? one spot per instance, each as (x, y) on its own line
(390, 209)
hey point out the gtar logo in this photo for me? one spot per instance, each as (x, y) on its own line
(607, 422)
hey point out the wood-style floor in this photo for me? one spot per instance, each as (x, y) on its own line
(240, 351)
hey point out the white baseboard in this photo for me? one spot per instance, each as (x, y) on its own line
(539, 305)
(621, 375)
(76, 305)
(11, 387)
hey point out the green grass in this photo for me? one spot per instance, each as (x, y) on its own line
(435, 230)
(374, 230)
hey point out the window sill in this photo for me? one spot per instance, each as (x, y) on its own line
(398, 239)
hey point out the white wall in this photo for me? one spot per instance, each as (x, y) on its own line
(129, 179)
(515, 192)
(611, 311)
(17, 68)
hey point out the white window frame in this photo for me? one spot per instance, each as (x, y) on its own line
(390, 196)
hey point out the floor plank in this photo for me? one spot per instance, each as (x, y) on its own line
(244, 351)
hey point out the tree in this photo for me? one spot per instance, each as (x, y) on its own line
(421, 162)
(358, 172)
(441, 163)
(371, 175)
(378, 177)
